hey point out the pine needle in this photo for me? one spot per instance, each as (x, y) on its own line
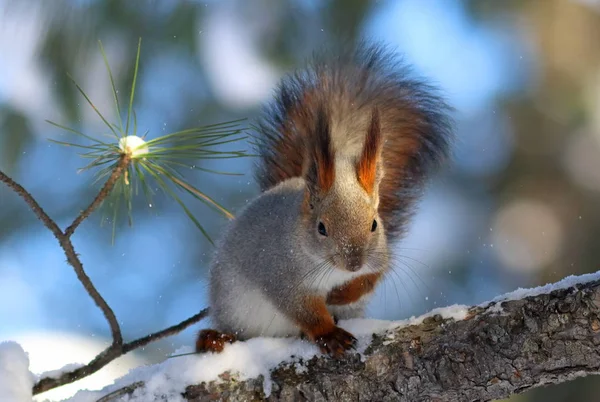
(153, 163)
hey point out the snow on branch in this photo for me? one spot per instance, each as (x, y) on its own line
(525, 339)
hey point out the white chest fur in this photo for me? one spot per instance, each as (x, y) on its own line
(257, 316)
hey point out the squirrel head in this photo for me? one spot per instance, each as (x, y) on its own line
(341, 199)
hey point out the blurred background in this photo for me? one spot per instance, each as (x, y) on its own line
(518, 207)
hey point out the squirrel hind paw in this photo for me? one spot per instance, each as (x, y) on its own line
(336, 342)
(210, 340)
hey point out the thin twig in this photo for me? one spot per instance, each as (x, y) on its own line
(175, 329)
(128, 390)
(111, 353)
(104, 192)
(35, 207)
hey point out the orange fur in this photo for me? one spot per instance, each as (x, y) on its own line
(210, 340)
(353, 290)
(326, 173)
(316, 320)
(336, 342)
(367, 166)
(293, 165)
(290, 160)
(318, 325)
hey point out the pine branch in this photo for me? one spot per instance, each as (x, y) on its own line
(104, 192)
(117, 348)
(152, 164)
(127, 164)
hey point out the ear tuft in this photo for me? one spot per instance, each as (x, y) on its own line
(368, 164)
(320, 172)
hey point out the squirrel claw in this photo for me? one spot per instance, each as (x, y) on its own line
(210, 340)
(336, 342)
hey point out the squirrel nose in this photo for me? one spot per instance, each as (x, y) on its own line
(354, 259)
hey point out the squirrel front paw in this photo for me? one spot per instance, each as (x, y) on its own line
(210, 340)
(336, 342)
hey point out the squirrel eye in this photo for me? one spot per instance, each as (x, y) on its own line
(321, 229)
(374, 226)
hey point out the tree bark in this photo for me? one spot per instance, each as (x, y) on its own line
(493, 353)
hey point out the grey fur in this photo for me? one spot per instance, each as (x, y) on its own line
(273, 257)
(267, 261)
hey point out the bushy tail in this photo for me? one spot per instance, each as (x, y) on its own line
(349, 84)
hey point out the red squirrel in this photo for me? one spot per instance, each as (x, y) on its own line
(344, 151)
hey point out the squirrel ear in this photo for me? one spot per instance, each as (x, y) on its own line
(320, 161)
(368, 168)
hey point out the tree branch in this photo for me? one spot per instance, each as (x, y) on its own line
(117, 348)
(104, 192)
(111, 353)
(75, 262)
(65, 241)
(493, 353)
(175, 329)
(35, 207)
